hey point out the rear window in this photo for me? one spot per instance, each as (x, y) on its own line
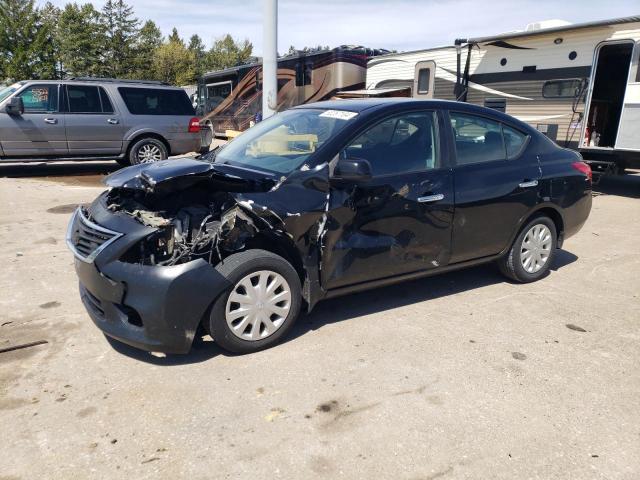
(155, 101)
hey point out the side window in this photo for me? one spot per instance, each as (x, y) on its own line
(561, 88)
(400, 144)
(107, 107)
(156, 101)
(83, 99)
(424, 76)
(513, 140)
(40, 98)
(477, 139)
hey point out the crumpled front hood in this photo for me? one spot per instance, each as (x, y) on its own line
(167, 176)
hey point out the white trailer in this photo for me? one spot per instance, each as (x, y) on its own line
(578, 83)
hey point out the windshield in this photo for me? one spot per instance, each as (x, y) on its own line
(285, 141)
(6, 91)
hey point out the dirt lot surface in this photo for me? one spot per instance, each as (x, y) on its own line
(458, 376)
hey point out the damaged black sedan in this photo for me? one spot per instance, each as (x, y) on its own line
(315, 202)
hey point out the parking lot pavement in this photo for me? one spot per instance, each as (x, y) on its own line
(458, 376)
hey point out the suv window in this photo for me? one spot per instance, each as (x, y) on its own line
(477, 139)
(400, 144)
(40, 98)
(107, 107)
(83, 99)
(156, 101)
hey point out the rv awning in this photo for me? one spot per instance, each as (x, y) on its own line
(563, 28)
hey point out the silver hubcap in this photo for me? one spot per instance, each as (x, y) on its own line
(149, 153)
(536, 248)
(258, 305)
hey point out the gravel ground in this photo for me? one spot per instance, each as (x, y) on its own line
(458, 376)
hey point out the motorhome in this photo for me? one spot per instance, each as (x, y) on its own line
(231, 99)
(577, 83)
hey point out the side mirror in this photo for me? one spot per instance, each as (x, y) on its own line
(352, 170)
(15, 106)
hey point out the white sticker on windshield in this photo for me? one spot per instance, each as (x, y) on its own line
(338, 114)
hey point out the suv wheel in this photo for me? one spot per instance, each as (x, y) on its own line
(147, 150)
(261, 305)
(532, 252)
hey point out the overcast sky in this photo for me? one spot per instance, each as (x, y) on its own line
(400, 25)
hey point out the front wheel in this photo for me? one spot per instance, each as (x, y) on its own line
(261, 305)
(532, 252)
(147, 150)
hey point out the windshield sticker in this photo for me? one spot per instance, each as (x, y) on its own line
(338, 114)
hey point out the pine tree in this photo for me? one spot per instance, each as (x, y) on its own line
(196, 46)
(26, 47)
(149, 40)
(80, 39)
(175, 37)
(173, 63)
(227, 52)
(121, 35)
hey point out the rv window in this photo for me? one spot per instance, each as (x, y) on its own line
(303, 73)
(424, 76)
(561, 88)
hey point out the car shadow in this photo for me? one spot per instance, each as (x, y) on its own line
(407, 293)
(84, 173)
(348, 307)
(621, 185)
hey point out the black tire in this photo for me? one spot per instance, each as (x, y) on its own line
(511, 265)
(235, 268)
(147, 143)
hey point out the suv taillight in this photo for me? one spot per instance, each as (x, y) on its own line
(194, 125)
(584, 168)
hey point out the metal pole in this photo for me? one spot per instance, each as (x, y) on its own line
(270, 59)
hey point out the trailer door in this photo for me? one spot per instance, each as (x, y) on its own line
(629, 132)
(423, 79)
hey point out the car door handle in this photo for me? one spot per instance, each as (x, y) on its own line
(112, 121)
(51, 120)
(431, 198)
(529, 184)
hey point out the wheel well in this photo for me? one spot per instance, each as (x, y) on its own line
(280, 248)
(553, 215)
(148, 135)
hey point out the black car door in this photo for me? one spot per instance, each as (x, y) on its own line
(496, 184)
(399, 221)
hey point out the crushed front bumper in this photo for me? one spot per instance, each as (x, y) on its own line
(149, 307)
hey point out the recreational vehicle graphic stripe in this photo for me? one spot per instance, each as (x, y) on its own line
(451, 77)
(503, 44)
(545, 74)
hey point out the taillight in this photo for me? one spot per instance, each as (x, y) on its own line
(194, 125)
(584, 168)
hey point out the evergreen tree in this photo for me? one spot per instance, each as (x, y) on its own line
(149, 40)
(226, 52)
(196, 46)
(121, 34)
(174, 63)
(26, 47)
(175, 38)
(80, 39)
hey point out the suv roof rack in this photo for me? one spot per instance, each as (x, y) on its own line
(117, 80)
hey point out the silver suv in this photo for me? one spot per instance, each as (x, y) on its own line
(96, 118)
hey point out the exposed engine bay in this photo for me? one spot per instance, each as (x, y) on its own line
(201, 221)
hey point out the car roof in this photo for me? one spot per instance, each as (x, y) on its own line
(104, 82)
(371, 105)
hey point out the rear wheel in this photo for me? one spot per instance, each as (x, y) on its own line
(261, 305)
(147, 150)
(532, 252)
